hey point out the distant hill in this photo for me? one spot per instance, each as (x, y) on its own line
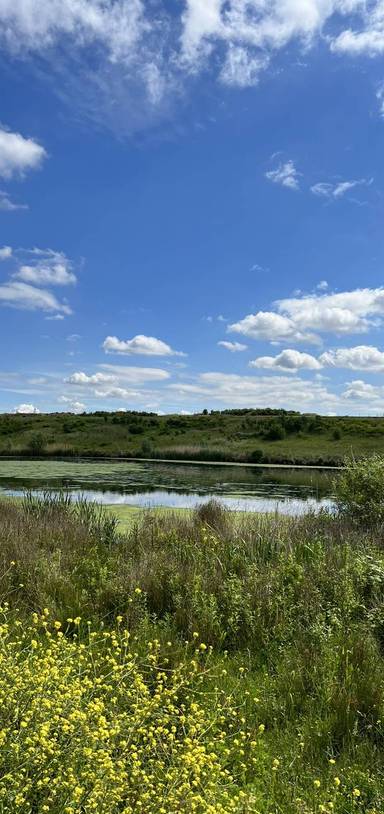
(246, 435)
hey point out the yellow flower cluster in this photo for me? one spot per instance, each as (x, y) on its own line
(89, 725)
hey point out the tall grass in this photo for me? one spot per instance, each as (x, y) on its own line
(288, 611)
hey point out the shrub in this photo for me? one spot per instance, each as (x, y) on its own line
(90, 725)
(36, 443)
(275, 431)
(256, 456)
(359, 491)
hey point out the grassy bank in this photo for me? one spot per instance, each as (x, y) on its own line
(236, 435)
(199, 662)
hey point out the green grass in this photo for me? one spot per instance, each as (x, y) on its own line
(128, 516)
(238, 436)
(284, 617)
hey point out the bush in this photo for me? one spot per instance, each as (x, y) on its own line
(36, 443)
(256, 456)
(359, 491)
(275, 432)
(89, 725)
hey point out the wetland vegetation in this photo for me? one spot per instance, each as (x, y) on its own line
(203, 662)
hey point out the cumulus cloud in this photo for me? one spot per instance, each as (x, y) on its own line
(359, 390)
(34, 269)
(288, 361)
(272, 326)
(117, 382)
(362, 357)
(140, 345)
(118, 375)
(72, 406)
(234, 347)
(46, 267)
(26, 409)
(304, 318)
(285, 174)
(18, 154)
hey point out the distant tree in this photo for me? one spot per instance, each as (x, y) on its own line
(205, 412)
(336, 435)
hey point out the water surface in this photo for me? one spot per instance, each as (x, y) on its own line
(289, 491)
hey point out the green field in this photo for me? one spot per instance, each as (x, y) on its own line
(235, 435)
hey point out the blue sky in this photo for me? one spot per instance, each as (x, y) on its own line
(191, 205)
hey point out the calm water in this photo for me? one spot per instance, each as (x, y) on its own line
(289, 491)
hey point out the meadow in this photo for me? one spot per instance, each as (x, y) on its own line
(197, 662)
(254, 436)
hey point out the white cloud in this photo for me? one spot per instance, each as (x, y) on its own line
(262, 26)
(257, 391)
(26, 289)
(72, 406)
(5, 253)
(338, 190)
(23, 296)
(368, 39)
(7, 204)
(299, 318)
(116, 393)
(235, 347)
(144, 53)
(83, 379)
(380, 98)
(46, 267)
(362, 357)
(119, 375)
(285, 174)
(140, 345)
(47, 272)
(26, 409)
(359, 390)
(18, 154)
(271, 326)
(288, 361)
(136, 375)
(242, 68)
(116, 25)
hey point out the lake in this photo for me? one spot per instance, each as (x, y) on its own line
(173, 485)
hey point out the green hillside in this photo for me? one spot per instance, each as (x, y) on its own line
(257, 436)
